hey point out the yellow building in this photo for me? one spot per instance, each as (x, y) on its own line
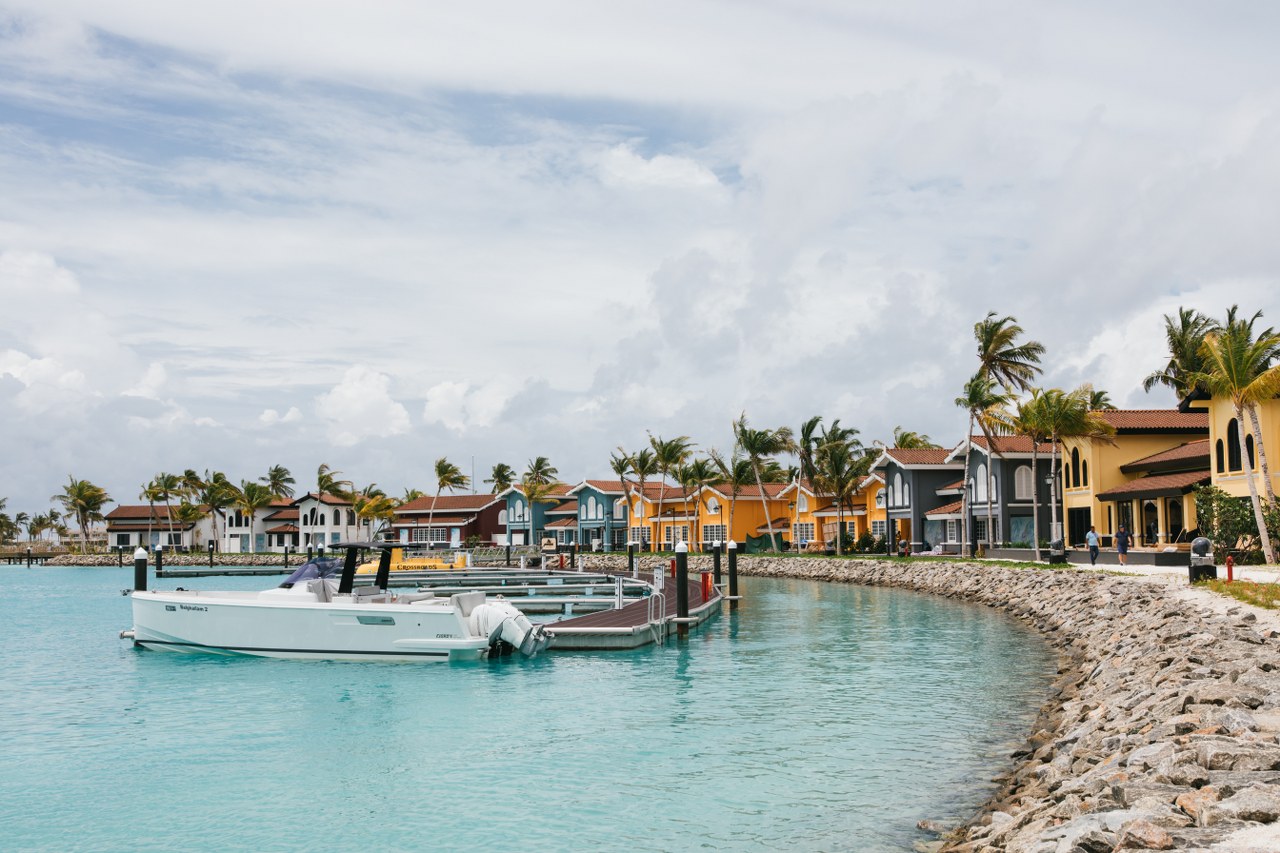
(1142, 480)
(814, 517)
(1231, 467)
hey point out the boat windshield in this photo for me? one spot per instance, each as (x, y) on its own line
(326, 567)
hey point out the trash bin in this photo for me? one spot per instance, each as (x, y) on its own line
(1202, 567)
(1057, 552)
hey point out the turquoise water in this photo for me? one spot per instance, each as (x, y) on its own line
(819, 717)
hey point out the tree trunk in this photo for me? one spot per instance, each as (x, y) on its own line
(991, 479)
(431, 516)
(84, 536)
(1263, 535)
(964, 495)
(768, 516)
(839, 525)
(733, 504)
(1262, 455)
(1035, 497)
(1053, 484)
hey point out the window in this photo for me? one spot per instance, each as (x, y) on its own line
(1222, 467)
(896, 498)
(1023, 484)
(322, 519)
(123, 539)
(805, 532)
(877, 528)
(1066, 476)
(619, 538)
(1248, 449)
(680, 532)
(640, 534)
(713, 533)
(620, 508)
(517, 510)
(591, 508)
(429, 534)
(979, 530)
(564, 536)
(952, 524)
(906, 494)
(1075, 467)
(351, 518)
(802, 504)
(980, 484)
(502, 516)
(1084, 472)
(1233, 446)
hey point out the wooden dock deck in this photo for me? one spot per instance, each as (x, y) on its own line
(637, 624)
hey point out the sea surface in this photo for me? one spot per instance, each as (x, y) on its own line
(816, 717)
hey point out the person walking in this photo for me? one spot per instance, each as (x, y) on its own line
(1091, 538)
(1123, 541)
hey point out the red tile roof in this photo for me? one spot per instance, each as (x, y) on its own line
(283, 515)
(952, 508)
(1156, 485)
(614, 486)
(1189, 452)
(780, 525)
(567, 506)
(447, 503)
(918, 456)
(564, 522)
(326, 498)
(1156, 420)
(1012, 444)
(131, 526)
(434, 521)
(956, 486)
(143, 511)
(283, 528)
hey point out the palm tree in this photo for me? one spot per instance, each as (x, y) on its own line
(668, 454)
(985, 403)
(540, 470)
(1060, 415)
(735, 473)
(809, 437)
(839, 466)
(909, 440)
(695, 477)
(1029, 420)
(536, 491)
(250, 498)
(373, 505)
(1185, 337)
(189, 513)
(217, 493)
(1237, 365)
(85, 501)
(327, 483)
(279, 481)
(502, 477)
(413, 495)
(1001, 358)
(448, 476)
(167, 486)
(21, 520)
(644, 464)
(191, 483)
(1099, 401)
(150, 494)
(759, 445)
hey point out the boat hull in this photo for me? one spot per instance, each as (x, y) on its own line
(227, 624)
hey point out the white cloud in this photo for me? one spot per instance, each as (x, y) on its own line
(270, 417)
(621, 166)
(151, 383)
(459, 405)
(360, 407)
(47, 383)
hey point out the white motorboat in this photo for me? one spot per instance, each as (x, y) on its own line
(318, 613)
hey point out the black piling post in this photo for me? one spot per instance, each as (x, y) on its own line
(631, 558)
(120, 556)
(508, 555)
(140, 569)
(286, 556)
(309, 554)
(28, 556)
(733, 575)
(715, 562)
(573, 555)
(682, 587)
(211, 553)
(159, 560)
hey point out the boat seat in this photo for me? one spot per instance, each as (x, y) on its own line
(466, 601)
(413, 597)
(360, 592)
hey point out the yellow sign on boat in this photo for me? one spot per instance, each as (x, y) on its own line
(400, 562)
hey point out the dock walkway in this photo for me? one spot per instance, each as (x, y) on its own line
(637, 624)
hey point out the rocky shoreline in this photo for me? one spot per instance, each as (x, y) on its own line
(1161, 730)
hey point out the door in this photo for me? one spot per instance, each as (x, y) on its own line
(1078, 521)
(1173, 513)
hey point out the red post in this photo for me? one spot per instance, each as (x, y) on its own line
(706, 586)
(673, 567)
(562, 561)
(1231, 564)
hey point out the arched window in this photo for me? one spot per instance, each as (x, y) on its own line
(1084, 472)
(311, 517)
(620, 508)
(1217, 452)
(639, 509)
(351, 517)
(1248, 448)
(1075, 467)
(1023, 483)
(322, 519)
(895, 499)
(906, 494)
(980, 483)
(502, 516)
(713, 506)
(1233, 446)
(518, 509)
(1066, 476)
(803, 503)
(591, 507)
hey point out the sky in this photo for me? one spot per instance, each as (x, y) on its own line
(241, 234)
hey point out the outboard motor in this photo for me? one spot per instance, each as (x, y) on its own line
(1202, 565)
(507, 628)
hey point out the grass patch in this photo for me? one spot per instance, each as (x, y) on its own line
(1259, 594)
